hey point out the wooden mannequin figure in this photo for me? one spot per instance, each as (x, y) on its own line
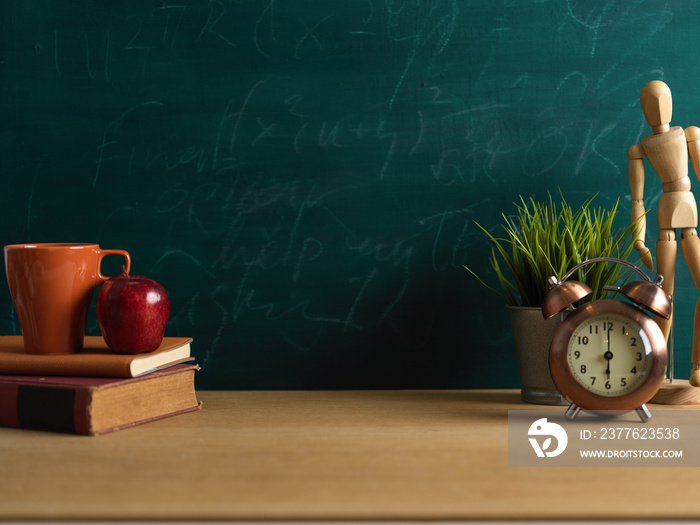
(667, 149)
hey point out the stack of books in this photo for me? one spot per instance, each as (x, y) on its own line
(94, 391)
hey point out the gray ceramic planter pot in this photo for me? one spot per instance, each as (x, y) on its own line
(532, 336)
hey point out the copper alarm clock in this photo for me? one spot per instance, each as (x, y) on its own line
(608, 354)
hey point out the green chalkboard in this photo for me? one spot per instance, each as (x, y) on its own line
(304, 177)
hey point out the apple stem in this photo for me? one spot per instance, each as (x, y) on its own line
(124, 270)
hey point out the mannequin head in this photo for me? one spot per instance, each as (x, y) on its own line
(656, 103)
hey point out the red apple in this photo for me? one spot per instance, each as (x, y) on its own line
(132, 312)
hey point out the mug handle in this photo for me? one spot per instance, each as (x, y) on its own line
(104, 253)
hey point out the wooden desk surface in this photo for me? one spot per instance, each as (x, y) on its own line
(399, 455)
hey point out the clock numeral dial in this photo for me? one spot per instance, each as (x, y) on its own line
(608, 355)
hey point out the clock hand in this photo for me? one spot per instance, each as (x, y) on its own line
(608, 356)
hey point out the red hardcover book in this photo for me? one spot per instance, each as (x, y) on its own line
(93, 406)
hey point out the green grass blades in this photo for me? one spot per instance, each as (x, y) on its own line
(544, 239)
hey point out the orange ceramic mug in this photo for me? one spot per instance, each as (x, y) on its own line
(51, 287)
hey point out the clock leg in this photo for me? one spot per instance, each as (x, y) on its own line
(643, 413)
(572, 411)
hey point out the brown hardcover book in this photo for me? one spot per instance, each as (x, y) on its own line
(95, 360)
(93, 406)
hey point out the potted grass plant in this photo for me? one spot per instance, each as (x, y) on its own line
(544, 239)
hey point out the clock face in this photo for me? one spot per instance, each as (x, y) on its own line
(609, 354)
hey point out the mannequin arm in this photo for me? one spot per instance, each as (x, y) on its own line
(692, 136)
(635, 171)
